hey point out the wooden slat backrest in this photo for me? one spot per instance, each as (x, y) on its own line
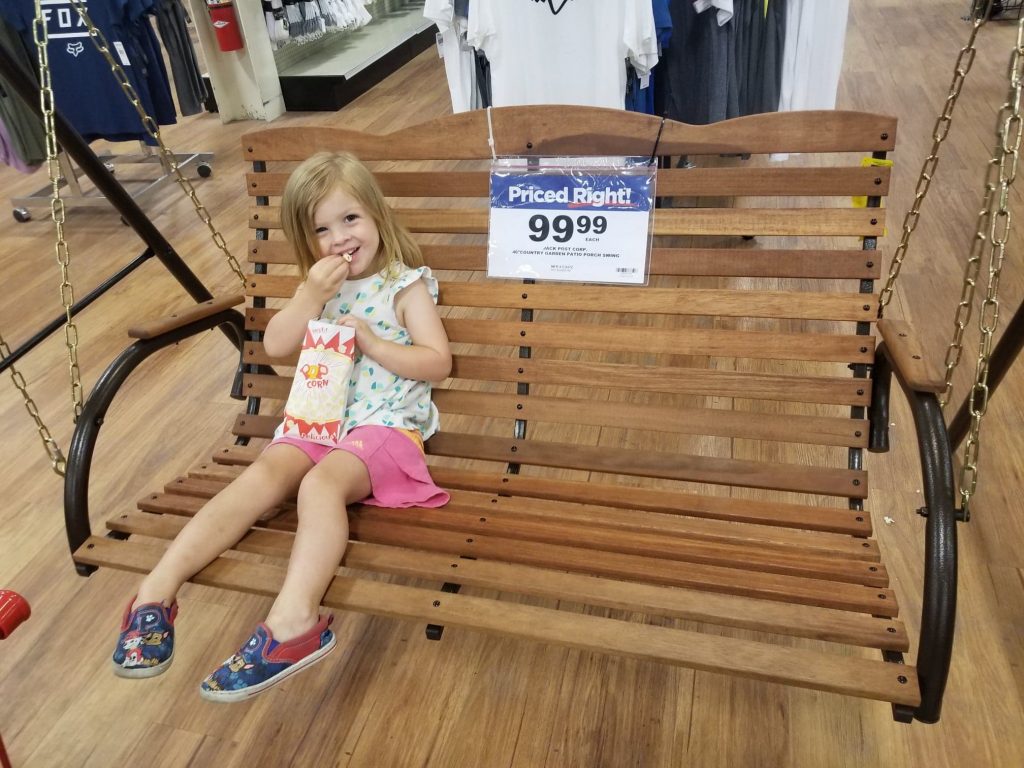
(697, 182)
(747, 342)
(741, 222)
(705, 262)
(602, 132)
(655, 301)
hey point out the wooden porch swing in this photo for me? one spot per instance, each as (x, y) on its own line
(674, 407)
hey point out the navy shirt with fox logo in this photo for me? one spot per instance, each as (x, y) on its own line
(85, 90)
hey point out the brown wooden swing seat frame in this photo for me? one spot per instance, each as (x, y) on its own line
(630, 449)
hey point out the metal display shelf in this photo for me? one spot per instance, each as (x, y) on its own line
(328, 73)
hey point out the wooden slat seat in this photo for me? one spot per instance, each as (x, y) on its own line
(228, 461)
(754, 553)
(819, 623)
(763, 536)
(690, 449)
(785, 588)
(829, 672)
(658, 301)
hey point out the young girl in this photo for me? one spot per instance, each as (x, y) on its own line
(361, 270)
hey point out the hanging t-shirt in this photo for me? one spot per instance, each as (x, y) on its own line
(85, 90)
(171, 21)
(459, 59)
(698, 82)
(641, 99)
(813, 55)
(760, 35)
(723, 9)
(563, 51)
(25, 136)
(152, 74)
(9, 154)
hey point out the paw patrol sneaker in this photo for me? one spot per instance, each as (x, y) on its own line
(263, 662)
(146, 645)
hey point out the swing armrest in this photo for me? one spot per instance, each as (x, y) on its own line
(908, 359)
(899, 351)
(152, 328)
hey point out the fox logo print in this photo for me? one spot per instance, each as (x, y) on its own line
(75, 48)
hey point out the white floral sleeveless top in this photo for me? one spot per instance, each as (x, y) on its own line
(376, 395)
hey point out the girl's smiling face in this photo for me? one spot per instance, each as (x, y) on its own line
(344, 228)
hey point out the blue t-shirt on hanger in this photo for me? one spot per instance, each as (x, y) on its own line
(85, 90)
(150, 62)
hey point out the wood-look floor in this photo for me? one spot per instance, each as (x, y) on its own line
(388, 697)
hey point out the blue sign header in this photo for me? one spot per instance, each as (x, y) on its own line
(571, 191)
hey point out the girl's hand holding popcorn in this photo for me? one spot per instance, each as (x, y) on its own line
(366, 339)
(326, 277)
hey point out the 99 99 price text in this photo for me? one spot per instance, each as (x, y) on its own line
(561, 229)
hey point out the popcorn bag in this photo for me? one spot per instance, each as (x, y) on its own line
(316, 404)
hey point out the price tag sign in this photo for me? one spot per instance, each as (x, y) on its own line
(589, 224)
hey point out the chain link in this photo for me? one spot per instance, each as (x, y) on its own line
(964, 62)
(67, 293)
(100, 41)
(1007, 155)
(57, 461)
(954, 352)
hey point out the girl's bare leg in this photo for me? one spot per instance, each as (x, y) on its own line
(320, 541)
(224, 519)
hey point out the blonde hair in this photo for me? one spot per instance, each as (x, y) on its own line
(317, 177)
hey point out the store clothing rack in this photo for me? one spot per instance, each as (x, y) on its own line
(140, 189)
(144, 173)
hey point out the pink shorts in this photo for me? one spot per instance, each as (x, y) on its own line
(397, 467)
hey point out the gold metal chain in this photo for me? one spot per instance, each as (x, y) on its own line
(1010, 131)
(57, 461)
(970, 279)
(963, 65)
(67, 294)
(151, 127)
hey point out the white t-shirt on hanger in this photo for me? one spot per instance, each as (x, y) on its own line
(563, 51)
(812, 59)
(459, 59)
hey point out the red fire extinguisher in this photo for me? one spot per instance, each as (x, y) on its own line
(225, 25)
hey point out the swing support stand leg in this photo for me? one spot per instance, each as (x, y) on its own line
(938, 611)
